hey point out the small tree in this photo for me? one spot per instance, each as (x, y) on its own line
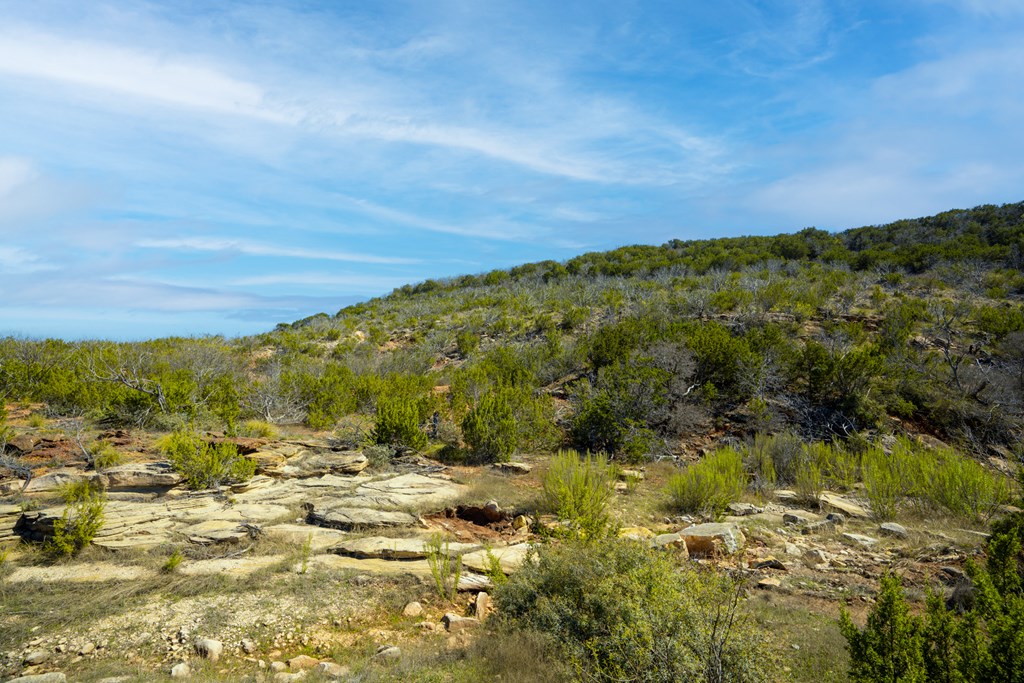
(79, 523)
(398, 424)
(889, 649)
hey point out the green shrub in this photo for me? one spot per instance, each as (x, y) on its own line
(708, 486)
(889, 649)
(204, 465)
(578, 489)
(173, 562)
(887, 479)
(809, 482)
(621, 611)
(79, 523)
(105, 455)
(397, 424)
(490, 427)
(467, 342)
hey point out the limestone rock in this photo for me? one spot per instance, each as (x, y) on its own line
(380, 547)
(351, 518)
(36, 657)
(278, 667)
(58, 479)
(51, 677)
(285, 677)
(248, 646)
(769, 583)
(799, 517)
(706, 539)
(894, 529)
(816, 558)
(318, 464)
(208, 648)
(388, 653)
(331, 670)
(413, 609)
(635, 533)
(860, 539)
(513, 467)
(406, 491)
(302, 663)
(744, 509)
(510, 558)
(675, 541)
(453, 623)
(181, 670)
(843, 504)
(140, 477)
(482, 605)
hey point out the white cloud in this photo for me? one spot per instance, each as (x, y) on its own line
(169, 79)
(226, 244)
(18, 261)
(14, 172)
(360, 282)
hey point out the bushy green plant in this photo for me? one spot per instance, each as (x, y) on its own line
(578, 489)
(205, 465)
(79, 523)
(104, 455)
(397, 424)
(490, 427)
(708, 486)
(621, 611)
(172, 563)
(889, 648)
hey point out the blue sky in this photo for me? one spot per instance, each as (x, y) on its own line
(209, 167)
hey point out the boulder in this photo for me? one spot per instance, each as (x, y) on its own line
(799, 517)
(319, 464)
(707, 539)
(510, 558)
(140, 476)
(482, 605)
(35, 658)
(208, 648)
(816, 558)
(302, 663)
(860, 539)
(894, 529)
(674, 541)
(413, 609)
(331, 670)
(58, 479)
(51, 677)
(843, 504)
(181, 670)
(453, 623)
(512, 467)
(388, 653)
(744, 509)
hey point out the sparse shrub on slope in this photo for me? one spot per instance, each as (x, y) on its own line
(398, 424)
(578, 489)
(621, 611)
(79, 523)
(708, 486)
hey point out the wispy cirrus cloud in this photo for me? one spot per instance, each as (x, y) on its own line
(229, 245)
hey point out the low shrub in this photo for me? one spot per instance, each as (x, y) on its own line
(397, 424)
(79, 523)
(578, 489)
(708, 486)
(445, 567)
(105, 455)
(258, 429)
(621, 611)
(204, 465)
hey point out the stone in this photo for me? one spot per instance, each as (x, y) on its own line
(315, 464)
(513, 467)
(799, 517)
(769, 583)
(815, 558)
(510, 558)
(248, 646)
(744, 509)
(284, 676)
(58, 479)
(413, 609)
(388, 653)
(893, 529)
(710, 538)
(843, 504)
(354, 518)
(87, 649)
(482, 605)
(35, 658)
(141, 476)
(181, 670)
(770, 563)
(521, 523)
(860, 539)
(453, 623)
(302, 663)
(674, 541)
(208, 648)
(406, 491)
(318, 538)
(793, 549)
(51, 677)
(836, 518)
(385, 548)
(278, 667)
(331, 670)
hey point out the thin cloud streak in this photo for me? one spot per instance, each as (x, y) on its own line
(214, 244)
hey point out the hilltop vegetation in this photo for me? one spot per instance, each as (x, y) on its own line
(916, 326)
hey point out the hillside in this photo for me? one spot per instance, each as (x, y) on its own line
(836, 406)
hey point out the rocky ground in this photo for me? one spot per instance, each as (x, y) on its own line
(317, 567)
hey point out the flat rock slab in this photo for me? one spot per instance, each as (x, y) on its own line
(352, 518)
(394, 548)
(89, 572)
(860, 539)
(231, 566)
(371, 565)
(140, 476)
(319, 464)
(708, 539)
(844, 505)
(319, 538)
(510, 558)
(406, 491)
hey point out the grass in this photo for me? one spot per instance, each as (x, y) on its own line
(821, 656)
